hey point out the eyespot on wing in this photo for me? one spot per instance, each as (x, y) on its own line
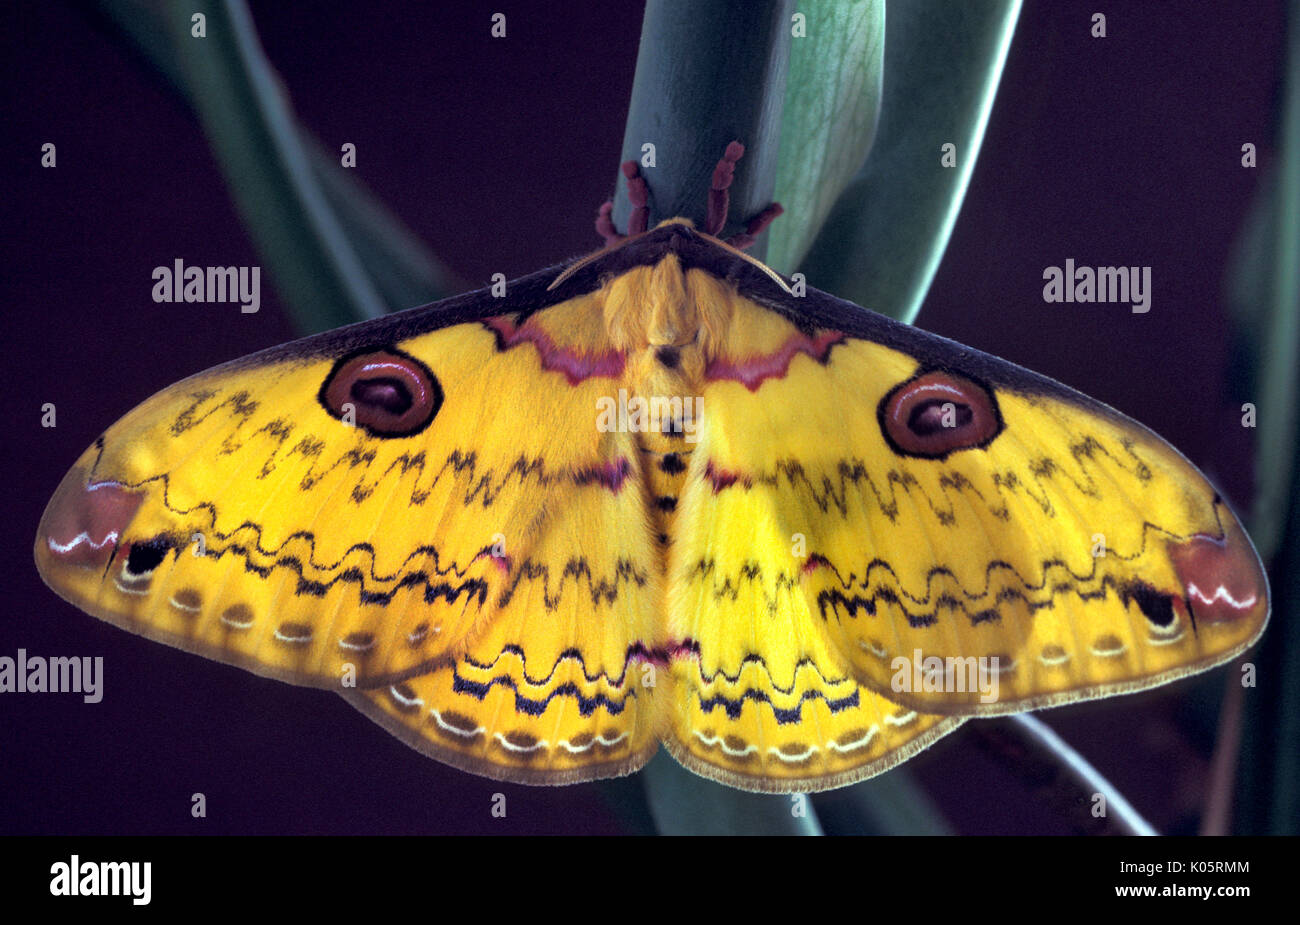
(936, 413)
(390, 393)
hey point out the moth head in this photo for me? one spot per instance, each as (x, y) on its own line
(668, 321)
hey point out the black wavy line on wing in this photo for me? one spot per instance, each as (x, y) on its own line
(754, 658)
(849, 471)
(310, 538)
(752, 570)
(542, 681)
(634, 653)
(451, 592)
(484, 487)
(605, 589)
(734, 706)
(535, 707)
(598, 589)
(479, 689)
(852, 472)
(211, 510)
(243, 405)
(834, 599)
(587, 705)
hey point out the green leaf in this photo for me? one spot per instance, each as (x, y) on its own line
(253, 134)
(883, 240)
(683, 803)
(892, 803)
(1278, 293)
(832, 104)
(1265, 310)
(707, 74)
(403, 271)
(1281, 730)
(401, 267)
(1265, 295)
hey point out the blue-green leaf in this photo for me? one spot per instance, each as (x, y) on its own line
(253, 134)
(1265, 295)
(707, 74)
(683, 803)
(882, 242)
(832, 103)
(401, 267)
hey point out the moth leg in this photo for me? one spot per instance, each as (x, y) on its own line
(716, 215)
(720, 202)
(719, 198)
(755, 226)
(605, 224)
(639, 193)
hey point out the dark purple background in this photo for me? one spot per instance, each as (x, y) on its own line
(1117, 151)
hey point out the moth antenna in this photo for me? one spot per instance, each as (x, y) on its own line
(775, 276)
(572, 268)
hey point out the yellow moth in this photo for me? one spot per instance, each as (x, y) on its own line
(658, 496)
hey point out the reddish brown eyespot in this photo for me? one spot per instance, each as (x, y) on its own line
(936, 413)
(386, 392)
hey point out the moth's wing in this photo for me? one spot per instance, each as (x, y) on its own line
(766, 705)
(549, 690)
(500, 542)
(833, 516)
(763, 699)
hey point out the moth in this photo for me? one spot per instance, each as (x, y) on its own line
(656, 496)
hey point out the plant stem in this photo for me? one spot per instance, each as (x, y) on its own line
(253, 133)
(1027, 745)
(707, 74)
